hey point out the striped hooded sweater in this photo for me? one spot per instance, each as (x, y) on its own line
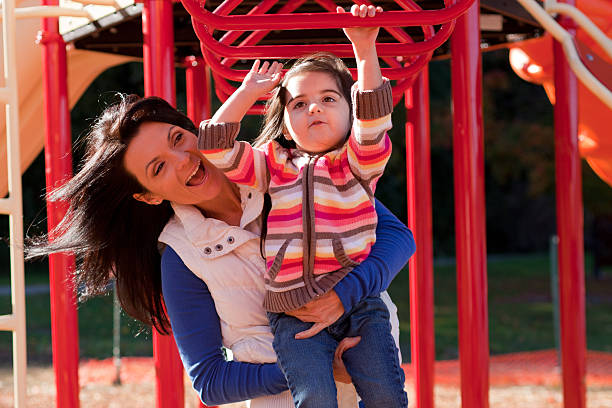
(322, 222)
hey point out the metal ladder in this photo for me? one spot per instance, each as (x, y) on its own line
(13, 206)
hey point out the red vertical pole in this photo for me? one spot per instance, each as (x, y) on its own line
(198, 84)
(418, 178)
(158, 59)
(158, 49)
(570, 229)
(468, 153)
(58, 168)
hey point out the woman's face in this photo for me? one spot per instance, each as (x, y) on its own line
(164, 158)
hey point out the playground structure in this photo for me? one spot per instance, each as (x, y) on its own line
(578, 131)
(532, 60)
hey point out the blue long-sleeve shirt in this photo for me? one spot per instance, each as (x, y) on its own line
(197, 331)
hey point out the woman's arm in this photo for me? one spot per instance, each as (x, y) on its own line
(196, 329)
(394, 246)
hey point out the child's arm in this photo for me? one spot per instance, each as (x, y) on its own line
(241, 163)
(369, 146)
(364, 46)
(258, 82)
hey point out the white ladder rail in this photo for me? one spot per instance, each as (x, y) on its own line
(50, 11)
(13, 204)
(16, 321)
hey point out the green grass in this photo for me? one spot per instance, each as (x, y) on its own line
(520, 313)
(95, 320)
(520, 307)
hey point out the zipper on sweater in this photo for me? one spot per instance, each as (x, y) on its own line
(309, 228)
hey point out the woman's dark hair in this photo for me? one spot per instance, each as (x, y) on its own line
(272, 128)
(112, 234)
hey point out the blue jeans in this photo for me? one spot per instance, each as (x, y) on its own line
(373, 363)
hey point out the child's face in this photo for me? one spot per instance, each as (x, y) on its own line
(316, 116)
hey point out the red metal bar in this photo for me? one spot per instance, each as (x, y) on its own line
(199, 86)
(396, 32)
(238, 75)
(158, 49)
(223, 71)
(263, 7)
(223, 90)
(220, 47)
(570, 230)
(301, 21)
(418, 178)
(158, 59)
(256, 36)
(341, 50)
(227, 7)
(58, 169)
(468, 152)
(329, 5)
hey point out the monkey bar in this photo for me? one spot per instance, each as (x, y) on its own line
(418, 53)
(304, 21)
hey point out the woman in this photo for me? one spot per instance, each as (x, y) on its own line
(143, 177)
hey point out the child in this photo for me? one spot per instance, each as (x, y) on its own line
(322, 221)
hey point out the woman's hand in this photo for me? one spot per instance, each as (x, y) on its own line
(322, 311)
(362, 38)
(340, 373)
(260, 81)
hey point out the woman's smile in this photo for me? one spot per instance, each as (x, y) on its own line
(165, 160)
(198, 176)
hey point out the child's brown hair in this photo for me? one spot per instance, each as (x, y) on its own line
(273, 126)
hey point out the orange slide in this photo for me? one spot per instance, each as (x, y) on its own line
(83, 68)
(532, 60)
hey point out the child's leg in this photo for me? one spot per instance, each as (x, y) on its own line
(306, 363)
(373, 363)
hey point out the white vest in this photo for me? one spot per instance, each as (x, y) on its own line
(228, 259)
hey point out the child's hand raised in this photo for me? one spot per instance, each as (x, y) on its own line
(260, 81)
(362, 38)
